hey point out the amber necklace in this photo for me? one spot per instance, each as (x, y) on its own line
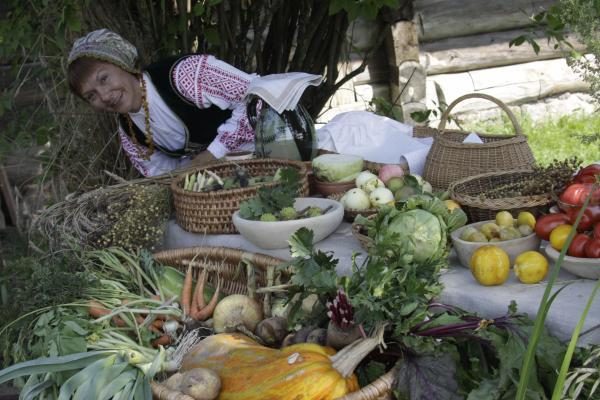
(143, 153)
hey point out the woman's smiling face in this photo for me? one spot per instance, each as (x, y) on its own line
(110, 88)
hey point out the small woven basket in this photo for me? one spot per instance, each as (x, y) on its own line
(360, 234)
(211, 212)
(467, 192)
(449, 159)
(349, 213)
(229, 263)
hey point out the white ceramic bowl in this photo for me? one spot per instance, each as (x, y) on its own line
(513, 247)
(588, 268)
(275, 235)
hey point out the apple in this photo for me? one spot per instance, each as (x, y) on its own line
(380, 196)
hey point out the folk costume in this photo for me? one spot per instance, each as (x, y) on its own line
(190, 103)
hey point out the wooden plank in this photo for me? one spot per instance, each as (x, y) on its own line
(485, 50)
(513, 84)
(440, 19)
(7, 197)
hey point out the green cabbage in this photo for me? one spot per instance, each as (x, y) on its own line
(337, 167)
(424, 233)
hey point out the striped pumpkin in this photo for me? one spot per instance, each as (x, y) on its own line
(305, 371)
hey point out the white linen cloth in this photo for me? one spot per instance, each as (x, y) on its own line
(375, 138)
(283, 91)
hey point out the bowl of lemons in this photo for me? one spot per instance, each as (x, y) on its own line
(513, 235)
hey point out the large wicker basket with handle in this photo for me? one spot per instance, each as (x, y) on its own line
(449, 159)
(211, 212)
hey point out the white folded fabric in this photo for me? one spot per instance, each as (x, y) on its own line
(283, 91)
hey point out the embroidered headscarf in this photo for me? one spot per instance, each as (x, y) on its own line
(108, 46)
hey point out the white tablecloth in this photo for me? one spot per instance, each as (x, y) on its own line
(460, 289)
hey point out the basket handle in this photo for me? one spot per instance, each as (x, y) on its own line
(504, 107)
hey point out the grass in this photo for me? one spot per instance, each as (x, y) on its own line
(553, 138)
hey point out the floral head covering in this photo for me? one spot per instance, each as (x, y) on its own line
(108, 46)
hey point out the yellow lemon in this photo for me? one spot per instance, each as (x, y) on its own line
(559, 235)
(490, 265)
(531, 267)
(526, 218)
(451, 204)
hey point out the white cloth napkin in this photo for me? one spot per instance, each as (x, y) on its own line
(283, 91)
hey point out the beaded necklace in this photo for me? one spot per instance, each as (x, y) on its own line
(143, 153)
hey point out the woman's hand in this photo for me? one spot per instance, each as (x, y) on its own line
(203, 158)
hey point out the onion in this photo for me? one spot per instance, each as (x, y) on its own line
(236, 310)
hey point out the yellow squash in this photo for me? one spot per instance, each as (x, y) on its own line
(305, 371)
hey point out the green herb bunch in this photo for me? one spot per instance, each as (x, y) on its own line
(272, 199)
(140, 222)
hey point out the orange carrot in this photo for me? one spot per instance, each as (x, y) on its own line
(186, 291)
(158, 323)
(206, 312)
(96, 309)
(199, 294)
(118, 321)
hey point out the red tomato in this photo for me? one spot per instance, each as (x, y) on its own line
(597, 231)
(587, 174)
(592, 248)
(586, 221)
(545, 224)
(577, 247)
(576, 193)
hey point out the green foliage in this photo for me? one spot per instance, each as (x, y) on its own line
(581, 17)
(552, 138)
(272, 199)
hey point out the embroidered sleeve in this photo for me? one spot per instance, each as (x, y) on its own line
(206, 81)
(159, 163)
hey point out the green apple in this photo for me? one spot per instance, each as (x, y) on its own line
(395, 183)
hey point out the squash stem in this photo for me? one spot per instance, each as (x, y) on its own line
(346, 360)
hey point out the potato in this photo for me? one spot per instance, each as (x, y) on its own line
(201, 384)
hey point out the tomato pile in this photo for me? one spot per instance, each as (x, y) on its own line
(556, 227)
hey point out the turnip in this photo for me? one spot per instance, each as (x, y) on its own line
(201, 384)
(237, 311)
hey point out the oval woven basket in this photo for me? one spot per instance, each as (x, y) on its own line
(211, 212)
(449, 159)
(229, 263)
(467, 192)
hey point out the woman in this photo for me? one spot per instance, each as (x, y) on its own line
(178, 109)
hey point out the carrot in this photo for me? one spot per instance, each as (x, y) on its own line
(186, 291)
(96, 309)
(118, 321)
(199, 293)
(158, 323)
(161, 341)
(206, 312)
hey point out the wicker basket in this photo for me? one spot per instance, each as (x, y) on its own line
(351, 214)
(449, 159)
(229, 263)
(359, 233)
(211, 212)
(467, 193)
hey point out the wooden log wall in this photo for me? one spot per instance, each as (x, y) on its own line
(462, 46)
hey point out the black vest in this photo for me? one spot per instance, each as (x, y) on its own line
(200, 123)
